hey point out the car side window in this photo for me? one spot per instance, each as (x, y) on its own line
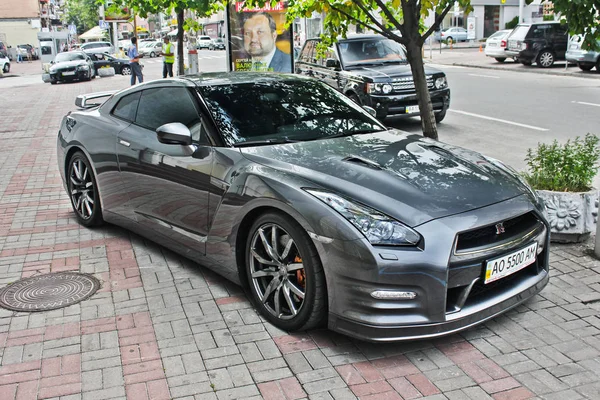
(127, 106)
(161, 106)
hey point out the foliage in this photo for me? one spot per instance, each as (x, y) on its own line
(583, 19)
(82, 13)
(569, 168)
(548, 17)
(512, 24)
(190, 24)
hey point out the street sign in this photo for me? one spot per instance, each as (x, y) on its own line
(72, 29)
(103, 24)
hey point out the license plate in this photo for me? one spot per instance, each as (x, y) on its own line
(68, 73)
(503, 266)
(491, 44)
(412, 109)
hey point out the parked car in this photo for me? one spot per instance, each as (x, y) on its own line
(4, 62)
(24, 49)
(151, 49)
(284, 185)
(585, 59)
(217, 44)
(121, 65)
(203, 42)
(495, 45)
(98, 47)
(70, 66)
(457, 34)
(124, 44)
(3, 48)
(542, 43)
(373, 71)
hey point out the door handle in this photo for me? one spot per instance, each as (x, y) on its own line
(124, 143)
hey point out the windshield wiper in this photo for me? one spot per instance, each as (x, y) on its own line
(264, 142)
(350, 133)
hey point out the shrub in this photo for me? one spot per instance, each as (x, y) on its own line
(564, 168)
(512, 24)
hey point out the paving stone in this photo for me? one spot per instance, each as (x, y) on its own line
(324, 385)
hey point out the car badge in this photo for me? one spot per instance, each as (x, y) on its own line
(500, 228)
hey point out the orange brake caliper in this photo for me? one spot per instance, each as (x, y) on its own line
(300, 275)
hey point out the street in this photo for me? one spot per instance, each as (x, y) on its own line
(162, 327)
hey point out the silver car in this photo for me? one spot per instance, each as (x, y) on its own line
(97, 48)
(457, 34)
(495, 45)
(585, 59)
(289, 188)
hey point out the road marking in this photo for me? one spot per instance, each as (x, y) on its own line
(587, 104)
(485, 76)
(535, 128)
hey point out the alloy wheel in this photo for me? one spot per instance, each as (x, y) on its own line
(126, 70)
(81, 189)
(277, 271)
(546, 59)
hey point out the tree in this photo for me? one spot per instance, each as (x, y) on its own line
(145, 7)
(82, 13)
(398, 20)
(583, 18)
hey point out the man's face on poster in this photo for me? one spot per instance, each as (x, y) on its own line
(259, 40)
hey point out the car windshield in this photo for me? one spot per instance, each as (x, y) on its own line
(520, 32)
(369, 51)
(499, 34)
(69, 57)
(281, 111)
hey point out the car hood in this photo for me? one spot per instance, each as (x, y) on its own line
(406, 176)
(387, 71)
(67, 64)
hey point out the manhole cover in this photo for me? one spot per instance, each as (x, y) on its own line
(48, 292)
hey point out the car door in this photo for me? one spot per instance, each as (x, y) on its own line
(168, 183)
(560, 40)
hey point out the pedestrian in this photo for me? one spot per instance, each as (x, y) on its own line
(168, 57)
(19, 57)
(134, 62)
(29, 55)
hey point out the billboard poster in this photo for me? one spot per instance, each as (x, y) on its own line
(257, 38)
(471, 33)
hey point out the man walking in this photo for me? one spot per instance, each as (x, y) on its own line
(168, 57)
(134, 62)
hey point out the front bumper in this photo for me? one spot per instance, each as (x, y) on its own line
(395, 105)
(59, 76)
(435, 273)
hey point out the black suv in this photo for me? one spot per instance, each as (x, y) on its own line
(373, 71)
(542, 43)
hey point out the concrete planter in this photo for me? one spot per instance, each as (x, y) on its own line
(106, 72)
(572, 216)
(46, 78)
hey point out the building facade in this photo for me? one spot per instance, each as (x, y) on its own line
(20, 22)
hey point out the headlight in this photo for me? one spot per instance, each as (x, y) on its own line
(374, 88)
(523, 46)
(83, 68)
(379, 229)
(441, 83)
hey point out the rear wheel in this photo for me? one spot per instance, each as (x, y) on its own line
(598, 65)
(6, 68)
(285, 274)
(126, 70)
(152, 55)
(585, 67)
(83, 190)
(545, 59)
(500, 59)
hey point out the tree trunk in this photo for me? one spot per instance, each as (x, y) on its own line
(413, 52)
(180, 60)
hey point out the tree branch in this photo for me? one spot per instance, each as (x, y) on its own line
(350, 17)
(389, 15)
(384, 30)
(436, 23)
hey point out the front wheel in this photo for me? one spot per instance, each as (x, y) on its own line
(439, 117)
(285, 275)
(152, 55)
(83, 191)
(500, 59)
(126, 70)
(6, 68)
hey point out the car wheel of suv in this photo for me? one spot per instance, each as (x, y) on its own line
(6, 68)
(585, 67)
(285, 274)
(439, 117)
(545, 59)
(500, 59)
(126, 70)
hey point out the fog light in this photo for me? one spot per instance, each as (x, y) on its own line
(393, 295)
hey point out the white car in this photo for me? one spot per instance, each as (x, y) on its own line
(4, 63)
(457, 34)
(203, 42)
(151, 49)
(495, 45)
(98, 47)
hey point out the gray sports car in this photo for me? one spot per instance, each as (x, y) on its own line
(287, 187)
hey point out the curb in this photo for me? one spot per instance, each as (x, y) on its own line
(533, 70)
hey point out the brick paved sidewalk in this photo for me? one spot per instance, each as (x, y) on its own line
(163, 327)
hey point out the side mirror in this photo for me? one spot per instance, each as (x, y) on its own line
(332, 63)
(371, 111)
(52, 62)
(174, 133)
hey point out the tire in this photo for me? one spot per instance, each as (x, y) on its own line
(126, 70)
(53, 82)
(152, 55)
(355, 99)
(526, 63)
(81, 182)
(598, 65)
(500, 59)
(292, 282)
(439, 117)
(545, 59)
(449, 38)
(585, 67)
(6, 68)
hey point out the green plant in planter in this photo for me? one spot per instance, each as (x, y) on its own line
(564, 168)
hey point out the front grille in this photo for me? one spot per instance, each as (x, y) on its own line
(488, 236)
(405, 84)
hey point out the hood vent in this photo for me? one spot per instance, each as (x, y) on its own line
(363, 161)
